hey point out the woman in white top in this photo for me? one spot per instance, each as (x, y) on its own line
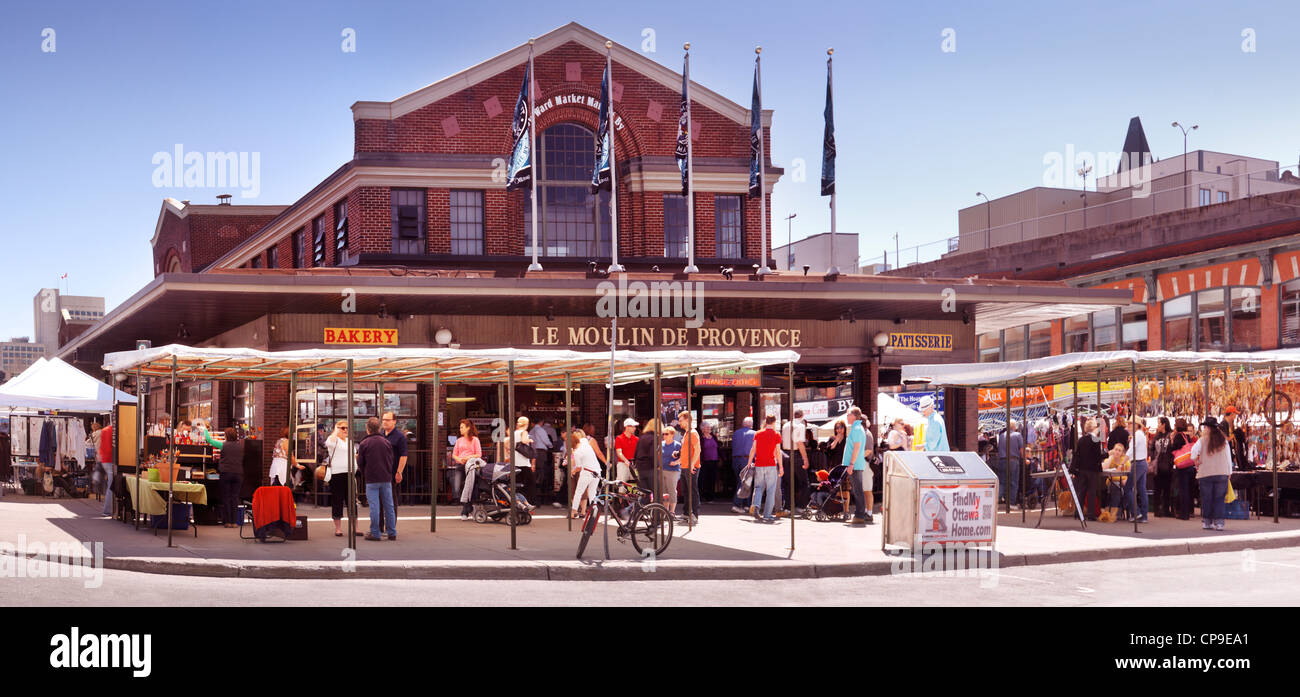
(897, 438)
(280, 459)
(336, 458)
(524, 465)
(587, 467)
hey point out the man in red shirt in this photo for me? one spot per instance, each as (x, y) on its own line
(625, 447)
(105, 457)
(766, 458)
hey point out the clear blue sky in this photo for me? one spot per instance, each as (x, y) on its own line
(919, 130)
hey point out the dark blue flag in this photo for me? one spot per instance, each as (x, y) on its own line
(600, 173)
(828, 140)
(683, 128)
(755, 138)
(519, 174)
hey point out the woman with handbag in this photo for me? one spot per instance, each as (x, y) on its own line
(336, 464)
(1184, 468)
(1164, 468)
(1213, 460)
(467, 446)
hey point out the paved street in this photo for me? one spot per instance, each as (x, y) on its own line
(1211, 579)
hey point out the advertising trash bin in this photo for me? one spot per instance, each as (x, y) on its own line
(938, 498)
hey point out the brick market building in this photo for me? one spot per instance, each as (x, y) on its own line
(417, 235)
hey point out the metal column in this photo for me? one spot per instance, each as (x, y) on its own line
(171, 454)
(434, 476)
(692, 473)
(1272, 422)
(352, 468)
(510, 452)
(789, 400)
(140, 446)
(293, 429)
(568, 429)
(1024, 423)
(1006, 447)
(658, 449)
(1133, 419)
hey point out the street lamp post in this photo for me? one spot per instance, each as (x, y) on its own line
(1180, 127)
(1083, 173)
(988, 221)
(789, 241)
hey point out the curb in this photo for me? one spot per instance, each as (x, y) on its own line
(627, 570)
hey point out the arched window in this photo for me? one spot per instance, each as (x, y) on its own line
(574, 222)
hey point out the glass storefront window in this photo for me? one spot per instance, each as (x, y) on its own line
(1209, 320)
(1104, 334)
(1178, 324)
(1013, 338)
(990, 347)
(1245, 319)
(1040, 339)
(1134, 327)
(1077, 334)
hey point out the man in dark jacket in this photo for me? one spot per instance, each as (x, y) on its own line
(1086, 468)
(376, 462)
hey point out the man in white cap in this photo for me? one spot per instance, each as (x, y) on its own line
(625, 447)
(936, 434)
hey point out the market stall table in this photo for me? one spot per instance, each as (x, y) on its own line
(152, 493)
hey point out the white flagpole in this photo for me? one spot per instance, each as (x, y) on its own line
(532, 152)
(762, 167)
(834, 269)
(690, 173)
(614, 266)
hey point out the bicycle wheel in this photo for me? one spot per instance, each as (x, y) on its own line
(652, 529)
(588, 527)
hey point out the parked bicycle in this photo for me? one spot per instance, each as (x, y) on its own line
(646, 525)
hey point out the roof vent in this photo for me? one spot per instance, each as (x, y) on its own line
(223, 199)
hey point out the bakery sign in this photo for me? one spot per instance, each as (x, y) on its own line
(907, 341)
(360, 337)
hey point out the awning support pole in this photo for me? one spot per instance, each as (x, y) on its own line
(568, 429)
(1133, 457)
(691, 472)
(1006, 448)
(1024, 471)
(435, 472)
(140, 445)
(352, 469)
(171, 454)
(293, 430)
(659, 427)
(1272, 422)
(794, 445)
(510, 452)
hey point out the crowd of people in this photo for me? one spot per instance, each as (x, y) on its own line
(1165, 468)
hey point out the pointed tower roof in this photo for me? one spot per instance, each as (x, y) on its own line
(1136, 149)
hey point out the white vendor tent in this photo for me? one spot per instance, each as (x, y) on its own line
(53, 384)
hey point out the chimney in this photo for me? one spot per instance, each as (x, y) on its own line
(223, 199)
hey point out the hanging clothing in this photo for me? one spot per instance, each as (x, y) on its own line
(48, 447)
(6, 458)
(18, 435)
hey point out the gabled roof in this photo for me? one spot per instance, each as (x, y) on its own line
(572, 31)
(183, 209)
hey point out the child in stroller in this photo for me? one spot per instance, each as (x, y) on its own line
(487, 489)
(824, 503)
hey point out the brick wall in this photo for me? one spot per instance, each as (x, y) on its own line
(273, 407)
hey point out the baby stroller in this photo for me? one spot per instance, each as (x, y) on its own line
(824, 503)
(491, 495)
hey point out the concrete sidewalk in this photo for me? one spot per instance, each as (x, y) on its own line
(723, 546)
